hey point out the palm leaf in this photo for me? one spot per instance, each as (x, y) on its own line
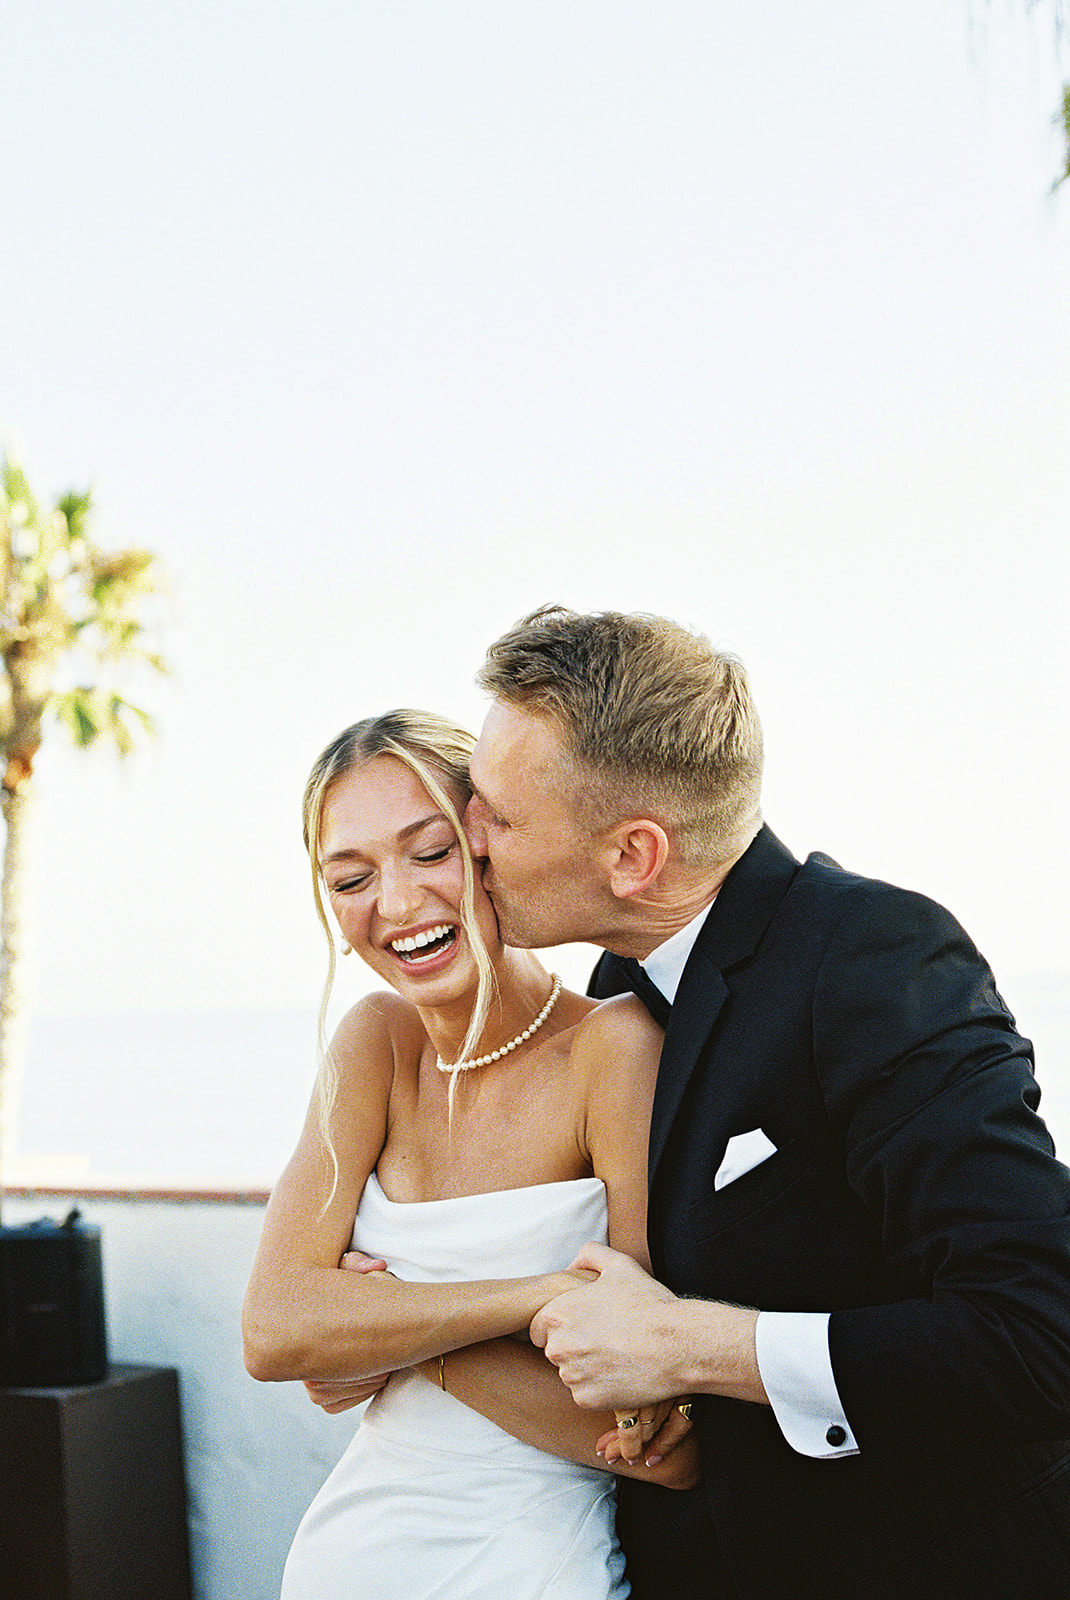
(74, 710)
(17, 491)
(75, 507)
(65, 598)
(92, 716)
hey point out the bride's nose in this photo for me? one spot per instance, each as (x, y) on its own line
(398, 896)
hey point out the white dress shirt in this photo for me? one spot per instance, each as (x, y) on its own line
(792, 1346)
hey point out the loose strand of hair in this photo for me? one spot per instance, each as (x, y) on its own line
(327, 1073)
(487, 986)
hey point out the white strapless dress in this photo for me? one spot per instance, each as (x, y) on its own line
(431, 1501)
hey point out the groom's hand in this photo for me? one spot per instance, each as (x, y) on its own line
(627, 1336)
(611, 1340)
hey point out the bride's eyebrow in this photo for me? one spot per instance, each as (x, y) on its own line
(403, 834)
(424, 822)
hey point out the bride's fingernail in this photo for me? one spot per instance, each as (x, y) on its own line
(652, 1461)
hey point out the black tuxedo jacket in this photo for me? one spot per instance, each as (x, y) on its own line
(914, 1194)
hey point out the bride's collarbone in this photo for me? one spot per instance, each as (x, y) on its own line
(461, 1180)
(478, 1154)
(532, 1082)
(513, 1124)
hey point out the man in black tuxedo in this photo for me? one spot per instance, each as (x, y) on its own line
(859, 1231)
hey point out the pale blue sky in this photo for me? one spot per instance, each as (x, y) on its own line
(384, 323)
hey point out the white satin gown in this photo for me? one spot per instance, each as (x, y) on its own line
(431, 1501)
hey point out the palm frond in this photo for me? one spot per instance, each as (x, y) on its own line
(16, 489)
(119, 576)
(1062, 122)
(74, 710)
(126, 722)
(76, 507)
(93, 715)
(64, 599)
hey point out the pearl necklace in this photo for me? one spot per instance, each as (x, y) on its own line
(503, 1050)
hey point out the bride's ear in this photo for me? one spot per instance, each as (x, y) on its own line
(634, 854)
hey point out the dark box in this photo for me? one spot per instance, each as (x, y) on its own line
(92, 1490)
(51, 1304)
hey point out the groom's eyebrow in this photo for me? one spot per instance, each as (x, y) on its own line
(485, 800)
(476, 790)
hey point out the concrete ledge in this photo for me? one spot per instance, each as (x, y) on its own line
(141, 1192)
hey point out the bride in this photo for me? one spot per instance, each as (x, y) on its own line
(480, 1123)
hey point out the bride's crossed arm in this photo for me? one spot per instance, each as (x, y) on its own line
(305, 1319)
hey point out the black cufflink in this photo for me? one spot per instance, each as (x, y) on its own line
(836, 1436)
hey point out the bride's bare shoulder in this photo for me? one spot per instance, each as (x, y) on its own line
(623, 1015)
(382, 1025)
(618, 1031)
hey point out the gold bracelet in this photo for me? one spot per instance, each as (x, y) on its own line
(442, 1371)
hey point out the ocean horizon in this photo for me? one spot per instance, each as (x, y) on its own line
(216, 1099)
(196, 1099)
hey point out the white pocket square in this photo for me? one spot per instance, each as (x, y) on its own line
(744, 1151)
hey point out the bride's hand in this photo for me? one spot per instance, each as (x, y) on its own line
(358, 1261)
(664, 1426)
(334, 1395)
(636, 1426)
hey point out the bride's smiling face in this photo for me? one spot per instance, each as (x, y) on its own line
(394, 876)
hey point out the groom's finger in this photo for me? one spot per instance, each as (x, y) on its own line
(597, 1257)
(538, 1329)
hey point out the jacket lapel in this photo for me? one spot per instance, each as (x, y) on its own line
(737, 920)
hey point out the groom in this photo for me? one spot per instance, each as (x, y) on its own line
(860, 1235)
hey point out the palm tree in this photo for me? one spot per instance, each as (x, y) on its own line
(1062, 122)
(68, 610)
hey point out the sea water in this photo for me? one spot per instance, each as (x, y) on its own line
(211, 1099)
(216, 1099)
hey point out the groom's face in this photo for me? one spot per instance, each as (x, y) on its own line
(540, 868)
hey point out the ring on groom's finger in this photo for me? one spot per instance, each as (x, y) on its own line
(685, 1410)
(627, 1422)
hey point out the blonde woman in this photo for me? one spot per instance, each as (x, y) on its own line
(480, 1123)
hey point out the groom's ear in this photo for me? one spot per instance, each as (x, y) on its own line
(633, 856)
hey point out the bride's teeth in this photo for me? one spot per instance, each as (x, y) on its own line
(418, 941)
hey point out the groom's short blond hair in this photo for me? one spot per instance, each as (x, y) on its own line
(655, 720)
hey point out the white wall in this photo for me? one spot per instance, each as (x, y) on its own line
(174, 1273)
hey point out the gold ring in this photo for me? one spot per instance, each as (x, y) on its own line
(685, 1410)
(627, 1422)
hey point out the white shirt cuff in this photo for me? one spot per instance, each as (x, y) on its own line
(796, 1370)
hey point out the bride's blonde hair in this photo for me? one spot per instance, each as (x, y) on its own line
(437, 751)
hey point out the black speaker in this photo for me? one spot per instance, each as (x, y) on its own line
(51, 1305)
